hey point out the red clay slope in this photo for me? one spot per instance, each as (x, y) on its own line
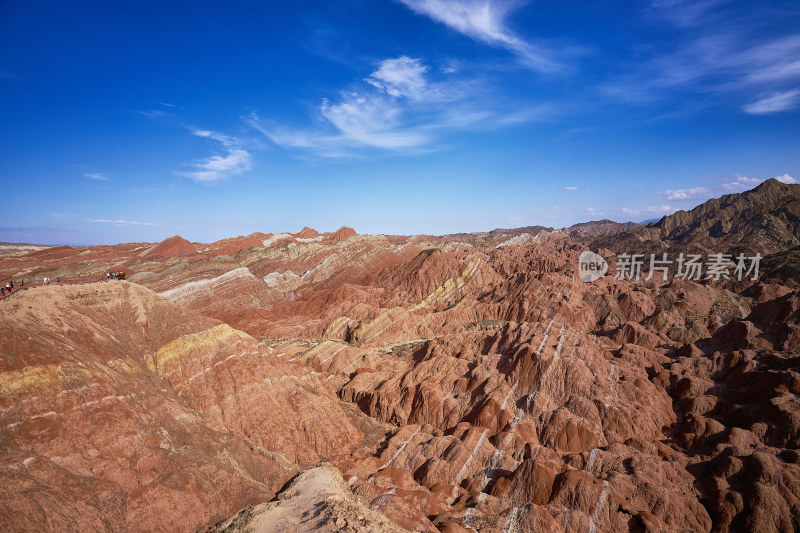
(175, 246)
(121, 411)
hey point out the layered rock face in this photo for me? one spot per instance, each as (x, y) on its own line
(121, 411)
(462, 383)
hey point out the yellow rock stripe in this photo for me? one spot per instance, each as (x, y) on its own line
(218, 335)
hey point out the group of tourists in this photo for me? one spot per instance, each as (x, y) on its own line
(9, 288)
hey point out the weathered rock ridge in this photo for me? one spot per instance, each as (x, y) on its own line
(466, 382)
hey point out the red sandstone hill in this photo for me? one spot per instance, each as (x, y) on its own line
(345, 232)
(451, 384)
(147, 407)
(307, 233)
(175, 246)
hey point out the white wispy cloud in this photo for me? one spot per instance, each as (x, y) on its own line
(741, 183)
(402, 76)
(485, 21)
(398, 109)
(164, 111)
(786, 178)
(781, 101)
(235, 161)
(370, 121)
(714, 63)
(358, 121)
(153, 114)
(714, 56)
(571, 188)
(772, 60)
(97, 176)
(657, 209)
(685, 194)
(594, 212)
(685, 12)
(652, 209)
(744, 183)
(121, 222)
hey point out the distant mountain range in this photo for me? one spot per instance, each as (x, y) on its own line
(600, 227)
(765, 219)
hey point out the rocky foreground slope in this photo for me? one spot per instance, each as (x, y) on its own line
(458, 383)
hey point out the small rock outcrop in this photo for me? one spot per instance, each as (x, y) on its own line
(175, 246)
(343, 233)
(319, 501)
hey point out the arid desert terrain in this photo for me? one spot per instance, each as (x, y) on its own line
(469, 382)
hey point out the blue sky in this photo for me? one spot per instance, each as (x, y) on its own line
(133, 122)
